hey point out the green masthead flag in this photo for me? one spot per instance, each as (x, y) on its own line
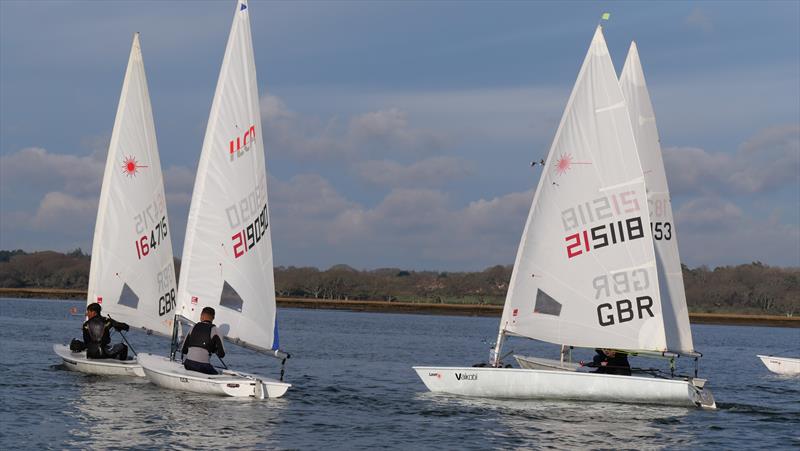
(606, 16)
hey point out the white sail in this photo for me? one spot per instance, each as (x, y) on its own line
(673, 296)
(585, 273)
(132, 272)
(227, 255)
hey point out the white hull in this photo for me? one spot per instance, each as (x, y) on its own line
(536, 363)
(171, 374)
(77, 361)
(781, 365)
(513, 383)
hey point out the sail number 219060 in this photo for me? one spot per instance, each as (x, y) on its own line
(247, 238)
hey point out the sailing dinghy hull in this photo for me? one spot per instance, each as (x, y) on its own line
(781, 365)
(165, 373)
(77, 361)
(513, 383)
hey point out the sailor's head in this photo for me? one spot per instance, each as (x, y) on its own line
(207, 314)
(609, 352)
(93, 310)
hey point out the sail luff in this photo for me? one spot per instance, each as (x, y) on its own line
(585, 270)
(643, 121)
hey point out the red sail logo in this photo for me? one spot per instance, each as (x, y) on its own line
(242, 144)
(130, 166)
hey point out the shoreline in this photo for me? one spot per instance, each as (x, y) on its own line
(733, 319)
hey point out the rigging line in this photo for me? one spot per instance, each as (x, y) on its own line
(126, 342)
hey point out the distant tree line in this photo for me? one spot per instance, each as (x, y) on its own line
(748, 288)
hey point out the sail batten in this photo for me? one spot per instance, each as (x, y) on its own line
(227, 257)
(673, 295)
(132, 271)
(586, 243)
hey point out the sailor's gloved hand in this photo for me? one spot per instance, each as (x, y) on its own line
(122, 326)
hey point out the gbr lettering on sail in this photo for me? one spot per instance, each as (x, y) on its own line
(607, 221)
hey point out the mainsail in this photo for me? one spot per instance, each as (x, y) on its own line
(585, 273)
(132, 272)
(670, 277)
(227, 255)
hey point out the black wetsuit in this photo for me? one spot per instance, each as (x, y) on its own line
(202, 341)
(96, 338)
(611, 365)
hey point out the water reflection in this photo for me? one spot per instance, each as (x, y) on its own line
(570, 425)
(128, 412)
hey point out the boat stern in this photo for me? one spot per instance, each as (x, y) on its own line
(702, 395)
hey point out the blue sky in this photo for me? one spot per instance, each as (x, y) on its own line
(399, 134)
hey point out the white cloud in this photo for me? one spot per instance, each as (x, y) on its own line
(389, 129)
(178, 184)
(409, 227)
(60, 221)
(708, 213)
(37, 169)
(715, 231)
(431, 172)
(372, 133)
(59, 211)
(768, 161)
(699, 20)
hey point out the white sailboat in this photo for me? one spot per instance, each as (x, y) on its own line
(786, 366)
(227, 255)
(132, 273)
(586, 273)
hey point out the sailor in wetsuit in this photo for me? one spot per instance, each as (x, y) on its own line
(202, 341)
(608, 361)
(96, 336)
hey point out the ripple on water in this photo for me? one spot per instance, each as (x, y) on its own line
(354, 389)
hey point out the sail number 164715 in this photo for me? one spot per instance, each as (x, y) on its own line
(150, 241)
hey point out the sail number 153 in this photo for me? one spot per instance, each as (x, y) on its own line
(661, 230)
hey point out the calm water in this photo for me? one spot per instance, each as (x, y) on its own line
(354, 389)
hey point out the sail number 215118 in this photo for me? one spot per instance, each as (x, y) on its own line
(604, 235)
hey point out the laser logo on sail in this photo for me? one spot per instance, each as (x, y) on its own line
(565, 162)
(239, 146)
(130, 166)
